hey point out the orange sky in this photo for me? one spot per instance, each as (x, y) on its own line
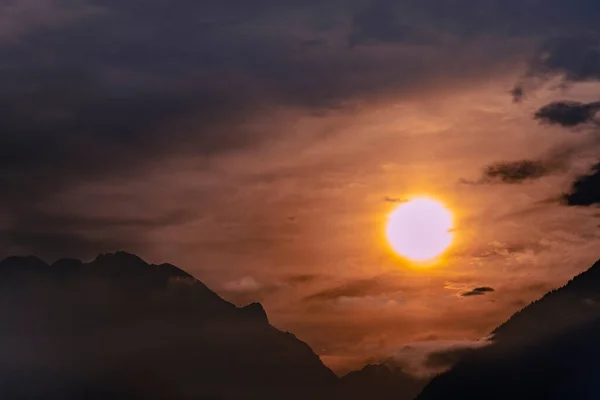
(298, 223)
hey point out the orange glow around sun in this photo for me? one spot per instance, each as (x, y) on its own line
(420, 229)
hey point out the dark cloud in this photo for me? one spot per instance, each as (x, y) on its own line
(555, 161)
(389, 199)
(585, 191)
(104, 88)
(516, 171)
(380, 22)
(431, 21)
(518, 93)
(479, 291)
(52, 234)
(574, 58)
(568, 113)
(50, 243)
(117, 86)
(94, 89)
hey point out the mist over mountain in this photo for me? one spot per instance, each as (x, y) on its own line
(120, 328)
(548, 350)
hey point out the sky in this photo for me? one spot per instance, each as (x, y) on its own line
(261, 146)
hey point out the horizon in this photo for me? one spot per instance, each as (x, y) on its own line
(415, 359)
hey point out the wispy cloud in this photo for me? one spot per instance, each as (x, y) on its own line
(359, 288)
(478, 291)
(429, 358)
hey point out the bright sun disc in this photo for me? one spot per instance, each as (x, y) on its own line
(420, 229)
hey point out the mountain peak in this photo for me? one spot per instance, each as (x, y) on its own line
(380, 381)
(256, 310)
(121, 257)
(156, 320)
(23, 268)
(173, 271)
(67, 264)
(374, 370)
(23, 261)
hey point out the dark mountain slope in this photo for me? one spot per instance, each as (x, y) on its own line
(560, 310)
(380, 382)
(120, 328)
(548, 350)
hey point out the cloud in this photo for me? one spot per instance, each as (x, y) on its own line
(389, 199)
(433, 21)
(516, 171)
(248, 289)
(503, 250)
(380, 22)
(429, 358)
(243, 285)
(478, 291)
(518, 93)
(303, 278)
(568, 113)
(555, 161)
(585, 191)
(360, 288)
(22, 17)
(94, 91)
(53, 234)
(446, 359)
(573, 58)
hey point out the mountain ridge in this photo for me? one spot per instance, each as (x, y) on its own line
(547, 350)
(149, 317)
(582, 287)
(120, 327)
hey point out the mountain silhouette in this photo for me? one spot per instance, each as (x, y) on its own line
(548, 350)
(381, 382)
(121, 328)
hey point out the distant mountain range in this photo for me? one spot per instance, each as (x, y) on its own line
(379, 382)
(549, 350)
(119, 328)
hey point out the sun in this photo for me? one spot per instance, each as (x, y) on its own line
(420, 229)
